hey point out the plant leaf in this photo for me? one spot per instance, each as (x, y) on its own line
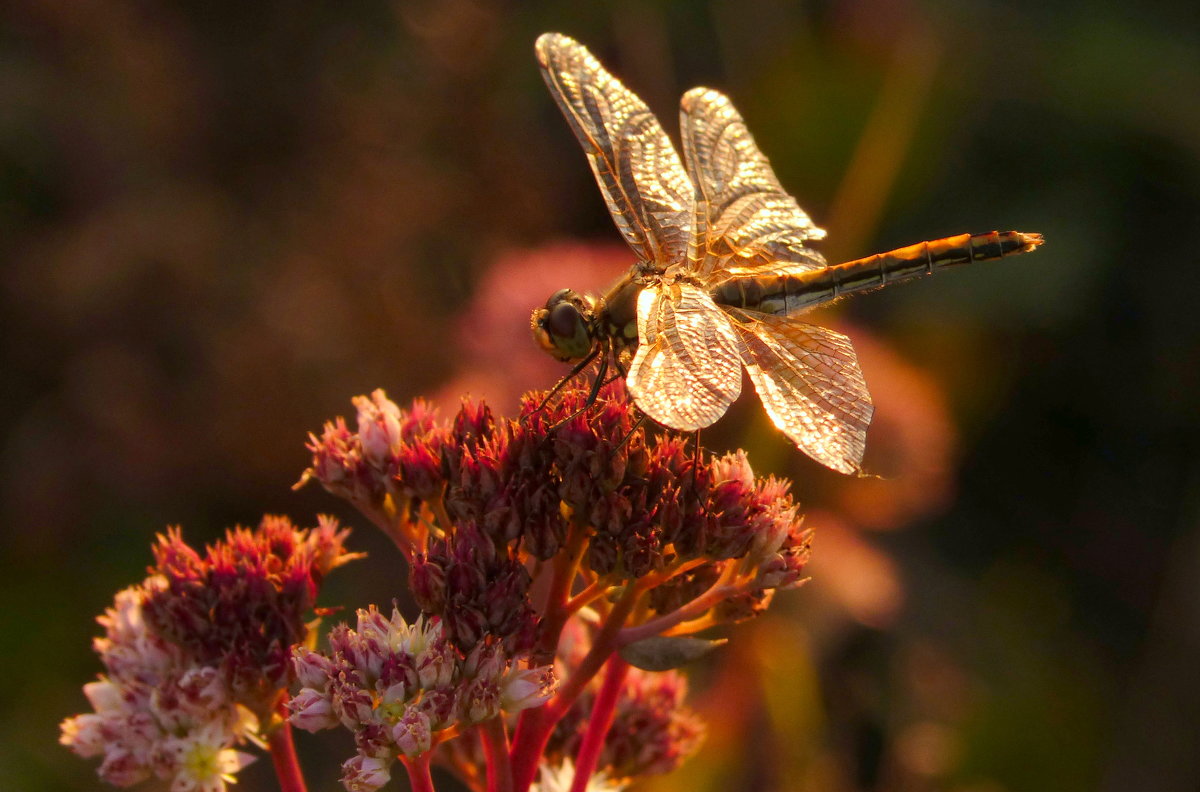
(664, 652)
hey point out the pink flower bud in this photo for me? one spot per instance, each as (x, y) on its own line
(525, 688)
(375, 740)
(365, 773)
(412, 733)
(378, 428)
(351, 704)
(104, 696)
(478, 700)
(83, 734)
(313, 670)
(201, 691)
(436, 665)
(312, 711)
(486, 660)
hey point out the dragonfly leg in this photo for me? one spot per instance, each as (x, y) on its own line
(558, 386)
(696, 465)
(617, 365)
(592, 395)
(629, 436)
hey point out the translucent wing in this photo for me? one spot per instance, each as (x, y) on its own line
(741, 210)
(647, 191)
(811, 385)
(688, 367)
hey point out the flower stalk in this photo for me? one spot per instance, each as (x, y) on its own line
(603, 711)
(419, 778)
(283, 755)
(494, 736)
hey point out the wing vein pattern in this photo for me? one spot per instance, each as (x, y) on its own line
(811, 385)
(751, 225)
(645, 187)
(688, 367)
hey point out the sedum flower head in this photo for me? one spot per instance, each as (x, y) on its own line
(513, 489)
(242, 604)
(400, 687)
(156, 712)
(198, 653)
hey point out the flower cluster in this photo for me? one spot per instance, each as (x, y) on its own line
(157, 712)
(402, 688)
(624, 536)
(647, 505)
(242, 605)
(478, 588)
(196, 657)
(571, 533)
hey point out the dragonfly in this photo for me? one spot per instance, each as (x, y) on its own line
(724, 269)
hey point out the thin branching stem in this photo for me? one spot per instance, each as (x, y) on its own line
(494, 735)
(603, 710)
(418, 772)
(283, 755)
(725, 587)
(535, 726)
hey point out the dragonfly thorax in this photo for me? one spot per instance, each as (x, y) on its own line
(565, 328)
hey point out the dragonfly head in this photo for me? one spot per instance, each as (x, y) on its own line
(564, 327)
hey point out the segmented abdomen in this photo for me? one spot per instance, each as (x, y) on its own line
(785, 294)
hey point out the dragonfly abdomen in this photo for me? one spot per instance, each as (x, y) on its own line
(785, 294)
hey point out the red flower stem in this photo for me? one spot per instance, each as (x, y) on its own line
(555, 612)
(283, 754)
(603, 711)
(418, 772)
(536, 724)
(494, 735)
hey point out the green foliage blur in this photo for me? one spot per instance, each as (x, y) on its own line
(220, 221)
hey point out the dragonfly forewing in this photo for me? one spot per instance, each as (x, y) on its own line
(687, 370)
(645, 187)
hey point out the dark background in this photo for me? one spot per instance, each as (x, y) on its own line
(220, 221)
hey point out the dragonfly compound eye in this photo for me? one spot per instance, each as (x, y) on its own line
(561, 328)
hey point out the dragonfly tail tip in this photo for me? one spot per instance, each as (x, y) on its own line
(1030, 241)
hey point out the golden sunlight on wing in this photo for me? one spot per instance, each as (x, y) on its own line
(811, 385)
(688, 369)
(644, 184)
(741, 209)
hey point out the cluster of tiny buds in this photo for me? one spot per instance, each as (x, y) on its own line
(243, 604)
(197, 657)
(402, 688)
(156, 712)
(649, 504)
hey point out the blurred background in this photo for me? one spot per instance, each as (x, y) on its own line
(222, 220)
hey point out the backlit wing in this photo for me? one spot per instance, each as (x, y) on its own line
(688, 367)
(811, 385)
(647, 191)
(741, 209)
